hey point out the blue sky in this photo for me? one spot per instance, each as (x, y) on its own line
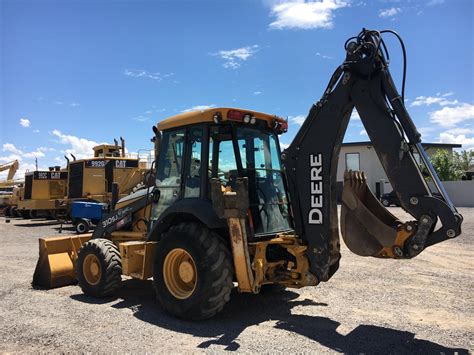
(74, 73)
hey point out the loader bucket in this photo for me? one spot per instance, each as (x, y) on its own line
(367, 227)
(57, 258)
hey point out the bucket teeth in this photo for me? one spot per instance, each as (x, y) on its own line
(368, 228)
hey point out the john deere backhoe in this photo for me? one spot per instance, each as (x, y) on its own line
(228, 206)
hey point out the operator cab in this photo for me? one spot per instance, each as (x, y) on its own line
(226, 144)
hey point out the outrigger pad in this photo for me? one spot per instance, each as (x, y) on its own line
(367, 227)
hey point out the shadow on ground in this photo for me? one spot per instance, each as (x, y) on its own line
(245, 310)
(38, 222)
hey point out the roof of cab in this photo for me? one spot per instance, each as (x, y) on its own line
(194, 117)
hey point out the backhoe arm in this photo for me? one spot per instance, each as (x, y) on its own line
(363, 81)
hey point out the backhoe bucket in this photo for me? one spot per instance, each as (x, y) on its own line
(57, 258)
(368, 228)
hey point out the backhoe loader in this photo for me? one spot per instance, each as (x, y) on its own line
(228, 206)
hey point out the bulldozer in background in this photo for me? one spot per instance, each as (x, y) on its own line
(228, 205)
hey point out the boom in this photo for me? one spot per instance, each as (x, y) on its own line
(363, 81)
(12, 167)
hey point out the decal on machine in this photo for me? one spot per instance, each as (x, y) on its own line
(315, 215)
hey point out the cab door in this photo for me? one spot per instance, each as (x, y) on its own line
(169, 169)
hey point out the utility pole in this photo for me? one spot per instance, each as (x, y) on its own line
(36, 163)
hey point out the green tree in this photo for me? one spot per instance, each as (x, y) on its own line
(448, 165)
(466, 158)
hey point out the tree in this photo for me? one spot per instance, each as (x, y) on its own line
(448, 165)
(466, 158)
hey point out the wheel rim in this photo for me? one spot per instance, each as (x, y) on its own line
(91, 269)
(180, 273)
(81, 227)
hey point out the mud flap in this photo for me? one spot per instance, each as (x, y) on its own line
(367, 227)
(57, 259)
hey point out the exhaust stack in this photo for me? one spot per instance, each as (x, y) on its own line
(123, 147)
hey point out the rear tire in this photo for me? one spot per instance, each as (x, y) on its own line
(201, 282)
(15, 212)
(7, 212)
(385, 202)
(82, 226)
(99, 268)
(32, 214)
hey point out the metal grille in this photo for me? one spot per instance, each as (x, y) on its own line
(76, 177)
(28, 186)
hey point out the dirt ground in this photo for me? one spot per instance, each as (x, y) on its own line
(424, 305)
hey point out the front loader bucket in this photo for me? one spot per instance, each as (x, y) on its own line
(368, 228)
(57, 258)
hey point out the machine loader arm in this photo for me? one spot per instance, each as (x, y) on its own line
(12, 168)
(363, 81)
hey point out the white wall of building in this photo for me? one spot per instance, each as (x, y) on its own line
(460, 192)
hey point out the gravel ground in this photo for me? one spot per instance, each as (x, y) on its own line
(422, 305)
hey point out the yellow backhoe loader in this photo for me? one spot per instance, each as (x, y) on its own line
(228, 206)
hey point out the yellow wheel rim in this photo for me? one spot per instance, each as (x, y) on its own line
(179, 273)
(91, 269)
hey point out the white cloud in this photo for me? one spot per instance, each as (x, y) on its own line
(355, 114)
(74, 104)
(435, 2)
(449, 93)
(439, 99)
(80, 147)
(257, 92)
(323, 56)
(284, 145)
(300, 14)
(233, 58)
(363, 132)
(450, 116)
(141, 118)
(299, 120)
(19, 154)
(389, 12)
(199, 108)
(467, 142)
(25, 122)
(461, 130)
(426, 130)
(58, 102)
(36, 131)
(140, 73)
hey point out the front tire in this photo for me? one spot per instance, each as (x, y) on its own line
(99, 268)
(193, 272)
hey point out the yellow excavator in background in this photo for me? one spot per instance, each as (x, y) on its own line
(12, 168)
(228, 205)
(7, 186)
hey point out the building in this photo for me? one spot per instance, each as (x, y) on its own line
(362, 156)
